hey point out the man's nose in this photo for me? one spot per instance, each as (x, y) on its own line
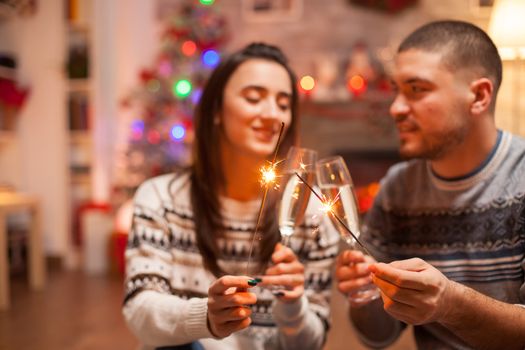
(399, 107)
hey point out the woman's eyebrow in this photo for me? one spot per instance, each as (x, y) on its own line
(260, 88)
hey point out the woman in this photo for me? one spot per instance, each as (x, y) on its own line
(192, 231)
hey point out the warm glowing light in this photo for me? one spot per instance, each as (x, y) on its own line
(327, 205)
(268, 174)
(356, 83)
(307, 83)
(188, 48)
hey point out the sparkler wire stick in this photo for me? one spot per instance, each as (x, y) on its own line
(261, 208)
(335, 215)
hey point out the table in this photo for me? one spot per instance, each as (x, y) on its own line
(12, 202)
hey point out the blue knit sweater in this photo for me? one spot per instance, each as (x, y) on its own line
(471, 228)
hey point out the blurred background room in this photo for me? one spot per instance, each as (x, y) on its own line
(98, 95)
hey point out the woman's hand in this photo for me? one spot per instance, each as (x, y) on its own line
(352, 272)
(288, 272)
(228, 301)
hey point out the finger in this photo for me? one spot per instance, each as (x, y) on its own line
(291, 280)
(402, 295)
(398, 277)
(349, 257)
(228, 284)
(283, 254)
(398, 310)
(231, 314)
(345, 273)
(286, 268)
(354, 284)
(289, 295)
(413, 264)
(231, 300)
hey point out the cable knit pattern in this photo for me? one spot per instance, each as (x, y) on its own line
(471, 229)
(166, 283)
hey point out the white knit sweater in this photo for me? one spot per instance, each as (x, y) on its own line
(166, 283)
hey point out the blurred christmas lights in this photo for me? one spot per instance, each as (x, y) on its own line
(196, 96)
(188, 48)
(178, 132)
(211, 58)
(182, 88)
(356, 84)
(153, 137)
(307, 83)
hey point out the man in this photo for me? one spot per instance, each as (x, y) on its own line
(448, 225)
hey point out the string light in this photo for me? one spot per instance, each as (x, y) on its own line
(153, 137)
(182, 88)
(188, 48)
(178, 132)
(307, 83)
(137, 130)
(356, 84)
(210, 58)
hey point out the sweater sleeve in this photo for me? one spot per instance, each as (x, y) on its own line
(369, 318)
(305, 323)
(152, 312)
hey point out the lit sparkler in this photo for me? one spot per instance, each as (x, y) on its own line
(328, 208)
(268, 176)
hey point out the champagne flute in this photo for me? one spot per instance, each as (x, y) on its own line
(295, 194)
(336, 184)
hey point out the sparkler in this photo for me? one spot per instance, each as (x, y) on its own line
(268, 176)
(328, 207)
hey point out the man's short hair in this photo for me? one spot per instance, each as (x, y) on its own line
(463, 45)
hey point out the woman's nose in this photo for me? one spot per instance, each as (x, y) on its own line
(270, 109)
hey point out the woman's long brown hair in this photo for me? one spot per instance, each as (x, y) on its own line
(207, 175)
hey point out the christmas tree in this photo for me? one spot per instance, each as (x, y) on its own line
(161, 135)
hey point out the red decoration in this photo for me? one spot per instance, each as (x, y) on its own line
(11, 95)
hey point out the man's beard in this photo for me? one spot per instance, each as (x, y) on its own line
(436, 145)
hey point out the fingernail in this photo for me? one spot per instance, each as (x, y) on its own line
(252, 282)
(257, 279)
(278, 294)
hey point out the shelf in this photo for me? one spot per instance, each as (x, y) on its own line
(80, 137)
(81, 178)
(79, 85)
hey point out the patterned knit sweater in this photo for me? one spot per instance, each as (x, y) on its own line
(472, 228)
(167, 285)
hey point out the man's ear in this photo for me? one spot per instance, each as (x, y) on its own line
(483, 90)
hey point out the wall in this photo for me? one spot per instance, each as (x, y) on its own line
(36, 161)
(324, 27)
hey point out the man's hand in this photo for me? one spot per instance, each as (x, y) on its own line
(227, 305)
(413, 291)
(288, 272)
